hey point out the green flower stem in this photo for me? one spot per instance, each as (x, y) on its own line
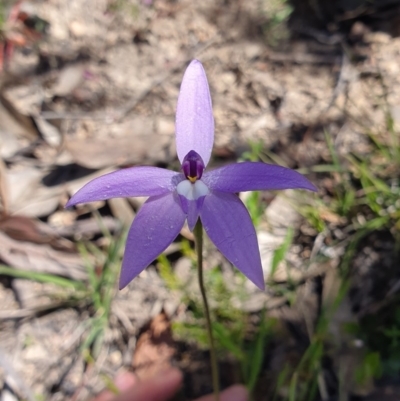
(198, 235)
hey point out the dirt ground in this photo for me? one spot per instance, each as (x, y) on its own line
(93, 87)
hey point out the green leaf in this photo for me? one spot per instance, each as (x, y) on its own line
(281, 251)
(42, 278)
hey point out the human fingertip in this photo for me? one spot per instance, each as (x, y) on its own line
(125, 381)
(171, 375)
(235, 393)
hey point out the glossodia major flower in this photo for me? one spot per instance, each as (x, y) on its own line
(193, 193)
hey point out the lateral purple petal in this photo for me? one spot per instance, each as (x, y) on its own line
(253, 176)
(194, 116)
(134, 181)
(228, 224)
(157, 224)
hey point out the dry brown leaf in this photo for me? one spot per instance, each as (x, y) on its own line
(15, 122)
(122, 210)
(133, 142)
(27, 195)
(41, 258)
(155, 348)
(68, 80)
(78, 229)
(331, 217)
(3, 187)
(48, 131)
(23, 229)
(12, 130)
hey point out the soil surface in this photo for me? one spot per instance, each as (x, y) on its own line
(90, 86)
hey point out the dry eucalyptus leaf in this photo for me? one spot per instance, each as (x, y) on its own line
(27, 195)
(22, 105)
(17, 121)
(132, 142)
(23, 229)
(86, 228)
(68, 80)
(13, 127)
(280, 216)
(49, 132)
(41, 258)
(122, 210)
(155, 348)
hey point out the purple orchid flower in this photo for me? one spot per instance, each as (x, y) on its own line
(193, 193)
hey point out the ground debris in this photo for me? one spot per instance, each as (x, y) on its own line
(96, 91)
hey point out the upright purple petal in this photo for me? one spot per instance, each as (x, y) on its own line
(194, 117)
(253, 176)
(134, 181)
(157, 224)
(228, 224)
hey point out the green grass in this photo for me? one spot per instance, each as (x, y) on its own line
(102, 265)
(2, 17)
(253, 201)
(277, 13)
(102, 286)
(124, 7)
(363, 198)
(236, 335)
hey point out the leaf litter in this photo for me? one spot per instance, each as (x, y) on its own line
(96, 90)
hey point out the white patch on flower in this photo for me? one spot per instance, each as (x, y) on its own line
(192, 191)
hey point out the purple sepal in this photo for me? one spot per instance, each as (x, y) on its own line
(156, 225)
(228, 224)
(254, 176)
(134, 181)
(194, 116)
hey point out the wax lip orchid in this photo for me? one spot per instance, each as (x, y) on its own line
(193, 193)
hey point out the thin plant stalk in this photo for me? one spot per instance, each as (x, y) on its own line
(198, 234)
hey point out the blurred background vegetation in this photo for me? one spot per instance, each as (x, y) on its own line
(309, 84)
